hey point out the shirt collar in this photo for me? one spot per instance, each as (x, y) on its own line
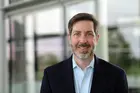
(75, 64)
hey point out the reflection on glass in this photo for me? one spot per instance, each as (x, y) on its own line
(8, 57)
(49, 21)
(21, 62)
(124, 51)
(7, 30)
(7, 51)
(17, 27)
(132, 36)
(50, 51)
(18, 63)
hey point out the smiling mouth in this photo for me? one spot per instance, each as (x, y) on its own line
(84, 45)
(83, 48)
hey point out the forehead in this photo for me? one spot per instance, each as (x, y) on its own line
(84, 25)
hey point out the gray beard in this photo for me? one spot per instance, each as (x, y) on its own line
(83, 56)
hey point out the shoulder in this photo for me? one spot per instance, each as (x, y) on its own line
(110, 68)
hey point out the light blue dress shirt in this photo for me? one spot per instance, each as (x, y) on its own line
(83, 78)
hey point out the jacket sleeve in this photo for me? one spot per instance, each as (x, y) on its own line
(45, 86)
(121, 85)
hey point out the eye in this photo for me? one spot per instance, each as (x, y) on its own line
(90, 34)
(76, 34)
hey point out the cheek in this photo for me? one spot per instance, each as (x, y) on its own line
(92, 42)
(74, 41)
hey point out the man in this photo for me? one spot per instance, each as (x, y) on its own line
(83, 72)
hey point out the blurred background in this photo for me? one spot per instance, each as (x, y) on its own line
(33, 36)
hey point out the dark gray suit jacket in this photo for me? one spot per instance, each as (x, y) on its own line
(107, 78)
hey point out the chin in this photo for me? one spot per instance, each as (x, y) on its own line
(83, 56)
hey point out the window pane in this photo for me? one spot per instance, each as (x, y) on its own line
(6, 2)
(29, 26)
(21, 66)
(17, 27)
(7, 51)
(122, 9)
(132, 36)
(124, 51)
(18, 63)
(50, 51)
(7, 29)
(49, 21)
(30, 70)
(21, 26)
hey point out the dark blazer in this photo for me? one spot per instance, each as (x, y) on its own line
(107, 78)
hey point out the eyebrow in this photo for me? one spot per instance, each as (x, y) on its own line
(89, 31)
(80, 31)
(75, 31)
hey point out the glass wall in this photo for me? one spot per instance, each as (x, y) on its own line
(17, 59)
(122, 9)
(49, 33)
(124, 38)
(49, 21)
(50, 51)
(124, 51)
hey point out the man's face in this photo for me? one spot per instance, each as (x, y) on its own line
(83, 39)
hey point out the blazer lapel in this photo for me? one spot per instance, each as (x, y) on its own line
(97, 78)
(69, 76)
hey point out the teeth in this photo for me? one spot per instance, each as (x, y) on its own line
(83, 47)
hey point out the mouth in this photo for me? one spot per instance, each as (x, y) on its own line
(83, 46)
(83, 50)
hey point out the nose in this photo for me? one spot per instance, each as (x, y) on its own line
(83, 39)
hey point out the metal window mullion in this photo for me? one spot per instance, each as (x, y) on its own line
(3, 62)
(65, 31)
(34, 5)
(11, 59)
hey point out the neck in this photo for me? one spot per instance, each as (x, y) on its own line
(83, 63)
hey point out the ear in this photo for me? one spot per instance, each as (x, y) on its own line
(68, 36)
(97, 38)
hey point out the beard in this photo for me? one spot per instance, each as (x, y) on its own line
(83, 54)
